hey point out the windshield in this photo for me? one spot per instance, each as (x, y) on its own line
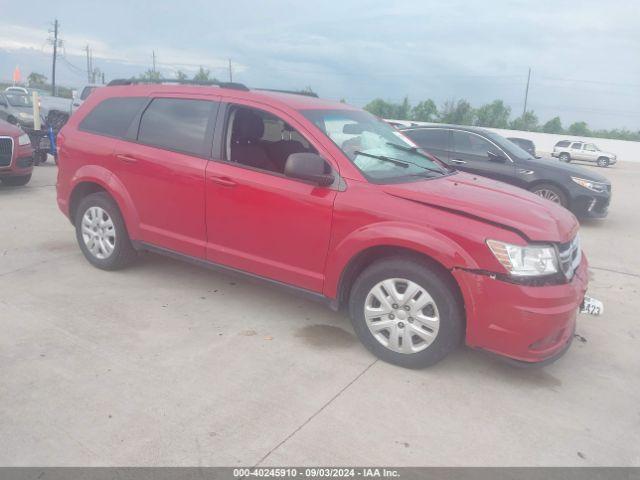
(19, 100)
(508, 146)
(379, 151)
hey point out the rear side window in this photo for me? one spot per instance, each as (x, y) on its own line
(563, 143)
(178, 124)
(436, 138)
(113, 116)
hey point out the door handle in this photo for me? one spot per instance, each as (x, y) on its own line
(126, 158)
(459, 162)
(224, 181)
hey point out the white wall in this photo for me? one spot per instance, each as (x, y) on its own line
(625, 150)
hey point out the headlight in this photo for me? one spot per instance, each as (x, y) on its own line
(24, 139)
(588, 184)
(529, 261)
(24, 115)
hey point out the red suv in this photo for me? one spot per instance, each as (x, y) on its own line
(16, 155)
(331, 202)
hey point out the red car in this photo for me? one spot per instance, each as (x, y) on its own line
(331, 202)
(16, 155)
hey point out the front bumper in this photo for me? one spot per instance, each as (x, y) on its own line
(587, 204)
(527, 324)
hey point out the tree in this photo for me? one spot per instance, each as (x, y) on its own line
(180, 75)
(494, 114)
(527, 122)
(457, 113)
(36, 79)
(202, 75)
(150, 75)
(425, 111)
(380, 108)
(579, 128)
(553, 126)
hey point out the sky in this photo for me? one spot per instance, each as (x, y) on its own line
(584, 55)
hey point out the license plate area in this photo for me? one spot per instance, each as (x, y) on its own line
(591, 306)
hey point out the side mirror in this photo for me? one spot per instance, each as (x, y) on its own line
(310, 167)
(353, 128)
(496, 157)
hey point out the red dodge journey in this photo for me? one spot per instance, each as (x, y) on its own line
(328, 201)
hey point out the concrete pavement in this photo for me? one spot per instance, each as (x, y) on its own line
(167, 363)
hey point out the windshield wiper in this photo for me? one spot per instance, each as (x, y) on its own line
(416, 150)
(400, 163)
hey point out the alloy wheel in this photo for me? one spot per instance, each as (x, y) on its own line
(401, 315)
(548, 195)
(98, 232)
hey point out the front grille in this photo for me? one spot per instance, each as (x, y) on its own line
(570, 256)
(6, 151)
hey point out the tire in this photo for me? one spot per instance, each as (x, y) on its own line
(564, 157)
(603, 162)
(16, 181)
(42, 157)
(551, 193)
(98, 215)
(446, 334)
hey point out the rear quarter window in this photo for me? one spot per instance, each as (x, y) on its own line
(113, 116)
(563, 143)
(178, 124)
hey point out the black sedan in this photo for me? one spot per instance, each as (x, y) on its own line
(479, 151)
(526, 145)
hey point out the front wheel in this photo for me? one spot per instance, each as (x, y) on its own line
(16, 181)
(603, 162)
(406, 312)
(102, 234)
(551, 193)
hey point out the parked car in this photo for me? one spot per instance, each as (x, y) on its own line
(16, 155)
(479, 151)
(330, 202)
(55, 110)
(567, 151)
(526, 145)
(17, 109)
(81, 95)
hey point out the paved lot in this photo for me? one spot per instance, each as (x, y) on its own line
(170, 364)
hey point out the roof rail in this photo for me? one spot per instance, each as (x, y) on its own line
(294, 92)
(137, 81)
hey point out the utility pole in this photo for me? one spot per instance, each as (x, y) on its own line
(153, 53)
(88, 64)
(55, 54)
(526, 94)
(230, 72)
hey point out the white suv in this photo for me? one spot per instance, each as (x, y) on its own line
(567, 151)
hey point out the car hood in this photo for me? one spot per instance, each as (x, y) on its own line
(495, 202)
(564, 168)
(10, 130)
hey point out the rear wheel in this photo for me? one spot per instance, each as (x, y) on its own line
(551, 193)
(406, 312)
(102, 234)
(564, 157)
(16, 181)
(603, 162)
